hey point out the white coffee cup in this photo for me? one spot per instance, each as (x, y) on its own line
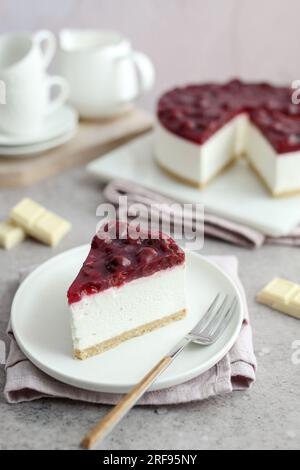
(105, 75)
(27, 106)
(28, 89)
(23, 55)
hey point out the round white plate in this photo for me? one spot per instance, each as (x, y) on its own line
(29, 150)
(40, 321)
(61, 122)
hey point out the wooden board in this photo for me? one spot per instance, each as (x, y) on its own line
(94, 138)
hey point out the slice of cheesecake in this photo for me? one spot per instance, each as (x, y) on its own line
(196, 132)
(127, 286)
(273, 150)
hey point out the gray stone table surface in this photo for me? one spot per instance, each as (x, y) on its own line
(266, 417)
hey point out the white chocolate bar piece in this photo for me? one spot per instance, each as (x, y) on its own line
(26, 213)
(39, 223)
(50, 229)
(10, 235)
(281, 295)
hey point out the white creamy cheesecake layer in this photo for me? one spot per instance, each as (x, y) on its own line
(242, 128)
(200, 163)
(110, 313)
(280, 172)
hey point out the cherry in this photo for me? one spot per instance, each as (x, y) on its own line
(116, 263)
(294, 139)
(147, 255)
(188, 124)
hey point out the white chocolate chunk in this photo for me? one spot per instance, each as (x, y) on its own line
(26, 213)
(10, 235)
(50, 228)
(295, 300)
(280, 289)
(281, 295)
(39, 223)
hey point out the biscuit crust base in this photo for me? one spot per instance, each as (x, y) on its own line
(292, 192)
(200, 186)
(141, 330)
(195, 184)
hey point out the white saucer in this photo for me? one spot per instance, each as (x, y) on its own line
(63, 121)
(40, 321)
(29, 150)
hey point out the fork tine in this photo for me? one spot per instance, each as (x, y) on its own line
(214, 320)
(219, 320)
(223, 325)
(206, 318)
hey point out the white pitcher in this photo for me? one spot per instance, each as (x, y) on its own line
(105, 75)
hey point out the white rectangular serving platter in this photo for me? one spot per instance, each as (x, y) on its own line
(237, 194)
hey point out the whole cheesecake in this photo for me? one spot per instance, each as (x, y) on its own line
(201, 129)
(127, 286)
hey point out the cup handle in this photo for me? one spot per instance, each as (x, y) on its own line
(46, 41)
(144, 70)
(63, 95)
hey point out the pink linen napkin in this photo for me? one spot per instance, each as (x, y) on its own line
(214, 225)
(236, 371)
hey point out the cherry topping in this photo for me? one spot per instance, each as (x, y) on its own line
(125, 260)
(196, 112)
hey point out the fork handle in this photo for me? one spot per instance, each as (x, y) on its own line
(104, 427)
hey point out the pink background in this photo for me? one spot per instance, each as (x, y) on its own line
(188, 40)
